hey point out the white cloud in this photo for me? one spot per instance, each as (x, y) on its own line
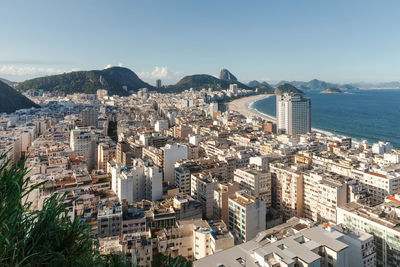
(27, 71)
(21, 73)
(157, 73)
(110, 65)
(160, 73)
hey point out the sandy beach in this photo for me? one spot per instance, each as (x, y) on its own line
(241, 105)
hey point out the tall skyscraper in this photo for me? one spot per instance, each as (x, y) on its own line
(293, 114)
(158, 83)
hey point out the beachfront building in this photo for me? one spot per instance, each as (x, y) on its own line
(293, 114)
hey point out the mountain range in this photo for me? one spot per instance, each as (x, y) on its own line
(123, 81)
(11, 100)
(317, 85)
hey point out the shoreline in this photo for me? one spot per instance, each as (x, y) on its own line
(244, 107)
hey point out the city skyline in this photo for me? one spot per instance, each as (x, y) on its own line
(270, 41)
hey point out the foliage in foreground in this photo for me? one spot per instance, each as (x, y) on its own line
(41, 238)
(162, 260)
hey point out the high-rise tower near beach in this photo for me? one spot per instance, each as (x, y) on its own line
(293, 114)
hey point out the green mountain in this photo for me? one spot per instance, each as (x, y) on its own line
(199, 81)
(317, 85)
(114, 79)
(11, 100)
(253, 83)
(287, 88)
(258, 84)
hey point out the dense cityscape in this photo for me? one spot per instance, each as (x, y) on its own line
(187, 175)
(200, 133)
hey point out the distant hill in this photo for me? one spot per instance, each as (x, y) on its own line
(11, 100)
(256, 83)
(332, 91)
(113, 79)
(8, 82)
(225, 75)
(287, 88)
(317, 85)
(199, 81)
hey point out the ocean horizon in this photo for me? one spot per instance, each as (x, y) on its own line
(372, 115)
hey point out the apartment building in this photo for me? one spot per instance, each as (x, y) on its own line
(194, 239)
(298, 243)
(287, 189)
(172, 154)
(221, 196)
(142, 181)
(202, 189)
(323, 193)
(382, 221)
(255, 181)
(106, 152)
(247, 216)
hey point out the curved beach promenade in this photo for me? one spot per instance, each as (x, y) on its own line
(241, 105)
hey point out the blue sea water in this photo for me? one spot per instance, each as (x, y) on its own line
(373, 115)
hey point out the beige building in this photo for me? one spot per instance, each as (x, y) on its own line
(106, 152)
(202, 189)
(287, 190)
(255, 181)
(194, 239)
(323, 193)
(247, 216)
(221, 194)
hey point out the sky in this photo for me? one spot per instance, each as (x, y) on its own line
(271, 40)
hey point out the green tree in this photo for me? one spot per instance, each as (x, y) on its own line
(41, 238)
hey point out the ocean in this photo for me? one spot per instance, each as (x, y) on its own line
(373, 115)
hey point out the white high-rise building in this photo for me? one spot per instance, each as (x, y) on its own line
(141, 182)
(293, 114)
(172, 154)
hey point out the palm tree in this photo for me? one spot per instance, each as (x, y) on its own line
(47, 237)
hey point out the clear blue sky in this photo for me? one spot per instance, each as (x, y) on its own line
(337, 41)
